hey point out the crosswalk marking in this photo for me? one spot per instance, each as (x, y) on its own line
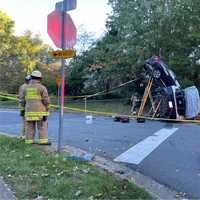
(140, 151)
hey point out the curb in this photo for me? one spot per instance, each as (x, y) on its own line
(5, 191)
(155, 189)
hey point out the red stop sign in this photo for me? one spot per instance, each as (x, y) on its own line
(54, 29)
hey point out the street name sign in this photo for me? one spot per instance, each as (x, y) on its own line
(69, 53)
(71, 5)
(63, 33)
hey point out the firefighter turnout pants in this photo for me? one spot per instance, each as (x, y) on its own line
(23, 127)
(30, 130)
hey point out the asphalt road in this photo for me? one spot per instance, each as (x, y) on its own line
(175, 162)
(5, 192)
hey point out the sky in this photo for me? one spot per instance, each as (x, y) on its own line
(32, 15)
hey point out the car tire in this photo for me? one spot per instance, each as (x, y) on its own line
(156, 73)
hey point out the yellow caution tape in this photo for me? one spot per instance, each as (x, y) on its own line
(116, 114)
(76, 97)
(111, 90)
(6, 94)
(104, 92)
(8, 97)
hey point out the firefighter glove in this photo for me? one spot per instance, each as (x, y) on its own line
(44, 118)
(22, 112)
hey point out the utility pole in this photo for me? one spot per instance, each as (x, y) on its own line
(62, 86)
(63, 33)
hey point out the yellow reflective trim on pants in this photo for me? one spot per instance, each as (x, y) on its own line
(29, 141)
(43, 141)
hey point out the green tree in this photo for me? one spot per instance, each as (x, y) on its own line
(138, 29)
(19, 55)
(166, 27)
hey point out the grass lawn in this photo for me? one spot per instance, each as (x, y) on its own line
(32, 172)
(109, 105)
(8, 104)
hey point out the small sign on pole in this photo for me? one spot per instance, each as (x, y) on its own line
(69, 53)
(58, 81)
(63, 33)
(71, 5)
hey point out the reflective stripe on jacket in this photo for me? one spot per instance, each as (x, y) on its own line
(32, 93)
(34, 116)
(37, 101)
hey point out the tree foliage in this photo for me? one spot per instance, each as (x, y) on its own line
(19, 55)
(138, 29)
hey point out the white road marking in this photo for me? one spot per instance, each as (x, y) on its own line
(140, 151)
(9, 111)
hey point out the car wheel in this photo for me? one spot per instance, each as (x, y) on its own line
(157, 73)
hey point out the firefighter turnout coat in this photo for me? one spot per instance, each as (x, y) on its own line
(21, 96)
(36, 101)
(22, 105)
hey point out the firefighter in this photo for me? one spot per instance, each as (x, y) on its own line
(22, 103)
(36, 110)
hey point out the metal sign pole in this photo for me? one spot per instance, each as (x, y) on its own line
(62, 87)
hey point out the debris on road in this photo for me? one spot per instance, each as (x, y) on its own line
(181, 195)
(89, 119)
(82, 157)
(123, 119)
